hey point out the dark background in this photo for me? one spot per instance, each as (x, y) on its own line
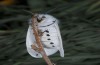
(79, 24)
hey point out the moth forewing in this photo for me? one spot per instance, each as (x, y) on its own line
(60, 41)
(51, 38)
(30, 39)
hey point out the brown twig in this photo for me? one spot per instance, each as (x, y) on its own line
(38, 41)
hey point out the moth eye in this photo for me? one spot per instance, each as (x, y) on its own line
(39, 20)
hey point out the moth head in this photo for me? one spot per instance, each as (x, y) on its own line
(40, 17)
(44, 19)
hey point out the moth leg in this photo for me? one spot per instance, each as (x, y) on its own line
(35, 48)
(40, 32)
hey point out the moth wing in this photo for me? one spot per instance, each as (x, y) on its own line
(60, 40)
(30, 39)
(50, 51)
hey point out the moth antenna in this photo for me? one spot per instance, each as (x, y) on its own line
(59, 7)
(29, 12)
(51, 10)
(32, 14)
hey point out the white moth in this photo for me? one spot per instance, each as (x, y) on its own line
(51, 38)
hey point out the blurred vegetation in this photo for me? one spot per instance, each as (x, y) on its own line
(79, 24)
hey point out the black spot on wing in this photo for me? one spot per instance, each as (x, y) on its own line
(48, 35)
(54, 21)
(51, 43)
(53, 46)
(47, 31)
(36, 54)
(48, 39)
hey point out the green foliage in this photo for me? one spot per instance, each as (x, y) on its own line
(79, 24)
